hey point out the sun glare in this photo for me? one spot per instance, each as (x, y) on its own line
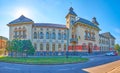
(21, 11)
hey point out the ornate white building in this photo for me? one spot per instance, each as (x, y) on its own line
(78, 34)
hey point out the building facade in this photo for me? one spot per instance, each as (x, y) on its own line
(78, 34)
(106, 41)
(3, 44)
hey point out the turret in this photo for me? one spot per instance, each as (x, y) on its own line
(70, 17)
(95, 21)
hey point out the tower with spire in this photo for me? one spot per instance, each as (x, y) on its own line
(70, 17)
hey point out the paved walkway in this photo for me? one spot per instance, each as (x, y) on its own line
(113, 67)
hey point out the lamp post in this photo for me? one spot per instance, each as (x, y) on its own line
(67, 53)
(0, 42)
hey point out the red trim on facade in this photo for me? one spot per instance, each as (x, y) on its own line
(75, 48)
(79, 48)
(97, 48)
(110, 49)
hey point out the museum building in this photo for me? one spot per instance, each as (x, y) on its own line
(77, 34)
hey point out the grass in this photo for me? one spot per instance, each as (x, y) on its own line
(43, 60)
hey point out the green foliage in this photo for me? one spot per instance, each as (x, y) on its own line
(117, 47)
(20, 47)
(28, 48)
(8, 47)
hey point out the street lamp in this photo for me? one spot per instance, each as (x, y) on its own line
(67, 53)
(1, 42)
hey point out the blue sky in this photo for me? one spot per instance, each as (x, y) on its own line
(107, 12)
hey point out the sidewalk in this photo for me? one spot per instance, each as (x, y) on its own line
(91, 56)
(113, 67)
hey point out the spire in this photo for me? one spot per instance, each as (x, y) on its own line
(95, 21)
(21, 17)
(71, 9)
(71, 12)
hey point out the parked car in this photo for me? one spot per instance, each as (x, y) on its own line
(113, 53)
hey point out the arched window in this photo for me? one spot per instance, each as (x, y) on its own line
(53, 35)
(89, 35)
(59, 36)
(59, 47)
(19, 31)
(86, 34)
(24, 34)
(41, 29)
(54, 29)
(35, 45)
(20, 34)
(24, 28)
(15, 29)
(47, 29)
(15, 34)
(47, 35)
(35, 28)
(41, 47)
(41, 35)
(35, 35)
(53, 47)
(50, 36)
(64, 47)
(19, 28)
(93, 36)
(64, 36)
(47, 47)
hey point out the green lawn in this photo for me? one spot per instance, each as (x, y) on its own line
(43, 60)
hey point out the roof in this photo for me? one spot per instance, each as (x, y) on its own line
(50, 25)
(103, 36)
(95, 21)
(1, 37)
(21, 19)
(82, 20)
(71, 12)
(108, 35)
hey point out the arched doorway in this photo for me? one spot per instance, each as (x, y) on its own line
(90, 48)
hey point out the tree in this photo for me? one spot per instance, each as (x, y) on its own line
(28, 47)
(9, 47)
(117, 47)
(18, 47)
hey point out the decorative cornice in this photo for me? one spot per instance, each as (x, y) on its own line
(22, 23)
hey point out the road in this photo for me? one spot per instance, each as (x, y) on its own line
(66, 68)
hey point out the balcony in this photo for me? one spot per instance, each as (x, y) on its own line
(73, 40)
